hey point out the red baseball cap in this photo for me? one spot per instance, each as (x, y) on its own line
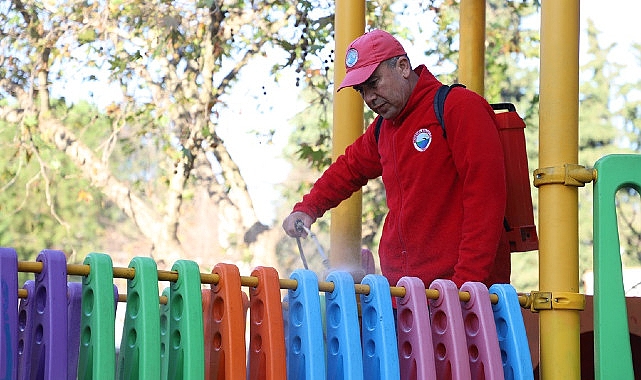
(365, 53)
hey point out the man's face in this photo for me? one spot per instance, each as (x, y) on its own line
(387, 90)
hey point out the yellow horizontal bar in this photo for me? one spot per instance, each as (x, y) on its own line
(249, 281)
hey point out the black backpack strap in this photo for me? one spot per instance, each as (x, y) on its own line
(439, 103)
(377, 127)
(439, 108)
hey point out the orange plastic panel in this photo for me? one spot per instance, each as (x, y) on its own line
(224, 326)
(267, 334)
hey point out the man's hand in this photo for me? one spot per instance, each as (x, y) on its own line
(290, 226)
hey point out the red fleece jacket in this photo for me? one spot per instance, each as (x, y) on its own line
(446, 195)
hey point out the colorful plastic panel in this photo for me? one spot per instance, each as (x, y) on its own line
(380, 352)
(266, 330)
(613, 355)
(49, 319)
(74, 301)
(207, 296)
(26, 310)
(414, 331)
(185, 334)
(305, 354)
(9, 313)
(480, 330)
(448, 333)
(139, 356)
(97, 356)
(344, 353)
(225, 326)
(511, 335)
(164, 335)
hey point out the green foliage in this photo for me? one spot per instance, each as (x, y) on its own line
(600, 134)
(44, 200)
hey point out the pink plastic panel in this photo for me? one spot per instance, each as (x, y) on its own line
(414, 332)
(482, 342)
(448, 333)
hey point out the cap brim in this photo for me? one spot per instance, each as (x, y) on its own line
(357, 76)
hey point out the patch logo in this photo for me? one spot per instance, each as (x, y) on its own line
(422, 139)
(351, 57)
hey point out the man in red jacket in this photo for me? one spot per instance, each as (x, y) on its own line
(446, 193)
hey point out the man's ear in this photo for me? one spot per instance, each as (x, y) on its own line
(404, 65)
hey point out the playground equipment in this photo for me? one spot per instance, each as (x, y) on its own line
(189, 334)
(613, 358)
(40, 333)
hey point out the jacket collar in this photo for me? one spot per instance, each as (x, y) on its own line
(427, 84)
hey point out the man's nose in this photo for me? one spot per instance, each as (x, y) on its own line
(369, 96)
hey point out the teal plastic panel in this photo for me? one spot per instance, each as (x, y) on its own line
(164, 335)
(139, 356)
(97, 356)
(612, 356)
(185, 350)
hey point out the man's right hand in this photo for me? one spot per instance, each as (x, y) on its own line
(290, 224)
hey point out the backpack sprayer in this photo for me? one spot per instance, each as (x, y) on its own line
(300, 227)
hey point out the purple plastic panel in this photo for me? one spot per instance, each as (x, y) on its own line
(448, 334)
(482, 342)
(26, 310)
(367, 261)
(49, 320)
(414, 331)
(74, 314)
(9, 314)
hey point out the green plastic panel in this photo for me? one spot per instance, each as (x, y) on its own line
(612, 353)
(139, 357)
(97, 356)
(185, 349)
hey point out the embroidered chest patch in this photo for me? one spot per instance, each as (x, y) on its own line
(422, 139)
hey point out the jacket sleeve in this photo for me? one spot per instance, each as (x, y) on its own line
(349, 173)
(478, 156)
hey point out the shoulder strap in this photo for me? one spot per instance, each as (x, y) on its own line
(377, 127)
(439, 108)
(439, 103)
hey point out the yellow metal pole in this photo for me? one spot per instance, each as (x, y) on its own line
(472, 48)
(346, 229)
(559, 343)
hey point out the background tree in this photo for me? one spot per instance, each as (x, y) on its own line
(34, 200)
(157, 154)
(598, 136)
(630, 115)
